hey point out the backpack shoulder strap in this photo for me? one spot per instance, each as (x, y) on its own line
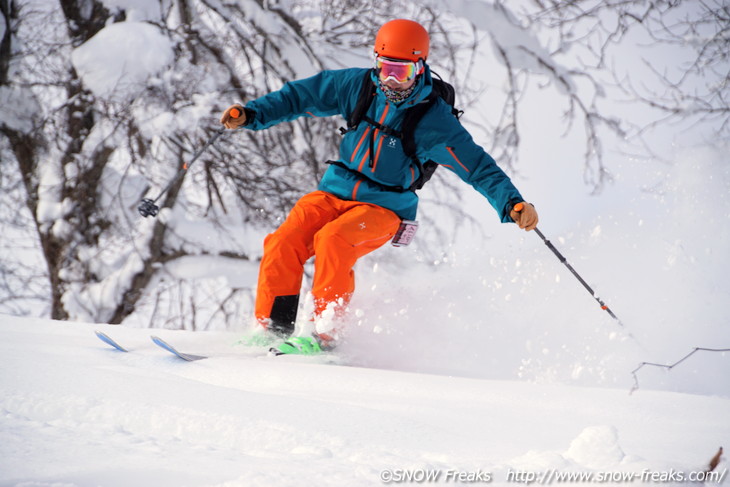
(408, 140)
(441, 89)
(364, 100)
(412, 117)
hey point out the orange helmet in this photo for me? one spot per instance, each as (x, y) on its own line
(402, 39)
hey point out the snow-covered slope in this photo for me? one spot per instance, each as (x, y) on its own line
(77, 413)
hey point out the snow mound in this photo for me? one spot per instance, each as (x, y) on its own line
(120, 59)
(596, 448)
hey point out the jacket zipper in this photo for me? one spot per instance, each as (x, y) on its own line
(374, 135)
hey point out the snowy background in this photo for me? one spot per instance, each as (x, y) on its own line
(488, 355)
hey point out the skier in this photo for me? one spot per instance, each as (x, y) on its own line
(366, 194)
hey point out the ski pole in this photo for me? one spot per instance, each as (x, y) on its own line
(147, 206)
(518, 207)
(562, 259)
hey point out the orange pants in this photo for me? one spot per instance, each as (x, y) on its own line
(337, 233)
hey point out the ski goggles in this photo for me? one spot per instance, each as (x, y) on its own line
(397, 69)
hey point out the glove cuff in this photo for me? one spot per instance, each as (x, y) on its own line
(250, 115)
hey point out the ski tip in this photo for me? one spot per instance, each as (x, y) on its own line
(166, 346)
(109, 341)
(275, 352)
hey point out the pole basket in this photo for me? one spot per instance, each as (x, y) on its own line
(147, 207)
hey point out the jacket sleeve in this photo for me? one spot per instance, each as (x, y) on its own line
(443, 139)
(317, 96)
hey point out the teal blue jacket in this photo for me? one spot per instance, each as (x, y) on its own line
(439, 137)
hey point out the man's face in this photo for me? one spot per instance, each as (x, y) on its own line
(397, 74)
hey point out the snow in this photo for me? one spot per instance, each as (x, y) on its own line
(50, 209)
(18, 106)
(136, 10)
(76, 412)
(237, 273)
(510, 39)
(488, 359)
(120, 58)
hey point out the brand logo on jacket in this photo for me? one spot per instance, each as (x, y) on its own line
(392, 142)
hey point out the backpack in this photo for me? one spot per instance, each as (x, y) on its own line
(440, 89)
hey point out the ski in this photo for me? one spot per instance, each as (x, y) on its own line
(156, 340)
(109, 341)
(166, 346)
(308, 349)
(323, 356)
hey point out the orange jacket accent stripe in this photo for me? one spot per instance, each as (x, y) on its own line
(451, 151)
(357, 147)
(362, 161)
(354, 190)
